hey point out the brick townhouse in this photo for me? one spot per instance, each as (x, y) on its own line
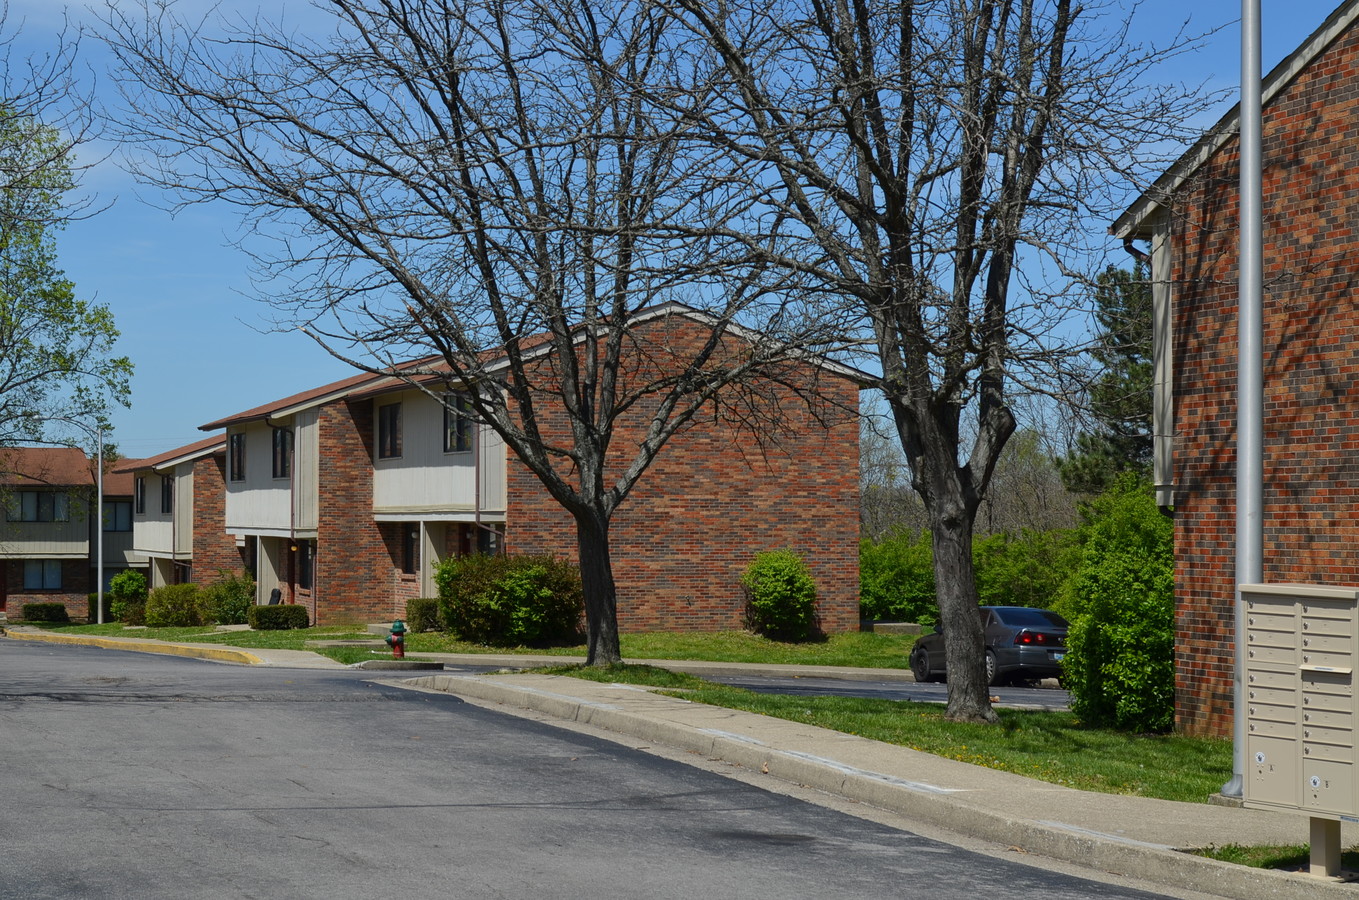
(346, 496)
(1311, 353)
(47, 549)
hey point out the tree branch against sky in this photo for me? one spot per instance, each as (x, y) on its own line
(946, 163)
(485, 185)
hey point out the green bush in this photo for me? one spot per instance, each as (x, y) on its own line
(1120, 662)
(422, 615)
(45, 612)
(92, 614)
(174, 606)
(780, 596)
(227, 600)
(896, 580)
(511, 601)
(1026, 569)
(127, 596)
(277, 618)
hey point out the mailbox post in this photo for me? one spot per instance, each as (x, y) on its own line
(1302, 646)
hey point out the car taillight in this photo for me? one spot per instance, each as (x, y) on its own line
(1027, 637)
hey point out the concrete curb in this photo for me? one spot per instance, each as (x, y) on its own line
(1104, 852)
(192, 651)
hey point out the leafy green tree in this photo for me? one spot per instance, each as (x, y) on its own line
(1120, 662)
(1028, 568)
(55, 348)
(896, 579)
(1119, 399)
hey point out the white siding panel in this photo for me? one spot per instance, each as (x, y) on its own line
(260, 501)
(306, 468)
(425, 478)
(183, 516)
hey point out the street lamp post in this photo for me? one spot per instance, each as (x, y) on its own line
(97, 432)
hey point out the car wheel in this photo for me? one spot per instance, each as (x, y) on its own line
(992, 677)
(920, 666)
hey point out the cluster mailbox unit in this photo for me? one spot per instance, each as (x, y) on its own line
(1302, 645)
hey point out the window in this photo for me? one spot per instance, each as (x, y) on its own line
(306, 557)
(167, 494)
(389, 431)
(139, 495)
(118, 515)
(236, 456)
(458, 425)
(39, 506)
(283, 452)
(410, 550)
(42, 574)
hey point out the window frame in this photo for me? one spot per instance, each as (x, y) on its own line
(111, 519)
(28, 506)
(282, 452)
(139, 496)
(459, 426)
(45, 572)
(167, 495)
(236, 456)
(389, 431)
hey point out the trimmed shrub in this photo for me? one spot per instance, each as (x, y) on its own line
(896, 580)
(91, 611)
(780, 596)
(511, 601)
(227, 600)
(174, 606)
(422, 614)
(127, 590)
(277, 618)
(1120, 662)
(45, 612)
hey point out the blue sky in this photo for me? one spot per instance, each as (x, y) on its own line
(179, 291)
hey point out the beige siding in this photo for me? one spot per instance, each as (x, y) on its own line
(259, 503)
(427, 481)
(306, 468)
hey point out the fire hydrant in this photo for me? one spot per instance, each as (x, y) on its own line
(397, 640)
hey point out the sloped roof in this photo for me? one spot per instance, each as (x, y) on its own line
(1134, 219)
(205, 447)
(367, 384)
(31, 467)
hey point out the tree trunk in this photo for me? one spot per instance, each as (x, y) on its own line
(601, 597)
(964, 646)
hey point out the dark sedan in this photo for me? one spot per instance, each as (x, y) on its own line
(1022, 644)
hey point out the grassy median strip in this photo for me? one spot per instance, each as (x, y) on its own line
(1049, 746)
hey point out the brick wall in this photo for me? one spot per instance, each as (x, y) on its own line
(715, 496)
(213, 549)
(77, 581)
(1311, 475)
(355, 577)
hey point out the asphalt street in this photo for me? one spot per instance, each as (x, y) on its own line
(134, 775)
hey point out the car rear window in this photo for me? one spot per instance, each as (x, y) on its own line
(1030, 618)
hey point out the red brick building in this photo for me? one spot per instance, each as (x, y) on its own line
(48, 543)
(345, 497)
(1311, 349)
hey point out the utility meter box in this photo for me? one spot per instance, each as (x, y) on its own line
(1302, 645)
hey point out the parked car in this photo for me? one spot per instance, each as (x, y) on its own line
(1021, 644)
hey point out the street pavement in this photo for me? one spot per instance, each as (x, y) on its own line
(1132, 836)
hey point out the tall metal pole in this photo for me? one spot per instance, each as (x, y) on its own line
(99, 524)
(1249, 375)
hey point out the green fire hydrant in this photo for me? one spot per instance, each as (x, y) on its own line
(397, 640)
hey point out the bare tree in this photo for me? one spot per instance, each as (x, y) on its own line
(482, 183)
(942, 160)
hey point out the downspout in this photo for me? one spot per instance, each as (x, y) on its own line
(1143, 258)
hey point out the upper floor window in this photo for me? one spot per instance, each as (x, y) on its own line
(39, 506)
(389, 431)
(458, 425)
(139, 495)
(167, 494)
(236, 456)
(118, 515)
(283, 452)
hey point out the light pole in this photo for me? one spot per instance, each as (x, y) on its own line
(97, 432)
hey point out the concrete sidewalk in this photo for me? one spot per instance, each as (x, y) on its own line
(1132, 836)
